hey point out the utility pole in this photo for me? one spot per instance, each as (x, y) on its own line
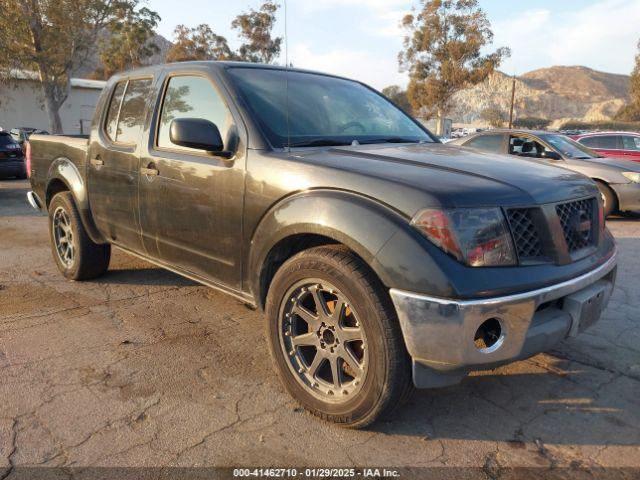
(513, 98)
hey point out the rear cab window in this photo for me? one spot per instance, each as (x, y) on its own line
(126, 112)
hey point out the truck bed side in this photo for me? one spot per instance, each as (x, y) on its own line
(57, 158)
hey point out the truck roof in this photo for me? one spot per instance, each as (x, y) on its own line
(215, 64)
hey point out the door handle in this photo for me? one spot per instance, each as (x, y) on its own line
(149, 171)
(96, 162)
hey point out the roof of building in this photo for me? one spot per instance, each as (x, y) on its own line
(75, 82)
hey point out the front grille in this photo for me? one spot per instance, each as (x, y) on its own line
(526, 236)
(578, 223)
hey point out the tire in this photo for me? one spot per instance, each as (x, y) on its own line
(84, 259)
(608, 197)
(360, 336)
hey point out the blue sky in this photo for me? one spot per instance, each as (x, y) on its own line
(361, 38)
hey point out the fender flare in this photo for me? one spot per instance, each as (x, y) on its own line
(65, 171)
(362, 224)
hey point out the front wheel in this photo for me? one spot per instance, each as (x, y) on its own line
(335, 338)
(76, 255)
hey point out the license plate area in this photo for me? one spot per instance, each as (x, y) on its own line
(586, 306)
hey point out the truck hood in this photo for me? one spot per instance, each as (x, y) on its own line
(456, 176)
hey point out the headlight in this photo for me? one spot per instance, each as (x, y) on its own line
(633, 176)
(478, 237)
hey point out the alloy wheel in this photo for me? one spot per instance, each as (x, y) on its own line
(63, 237)
(323, 340)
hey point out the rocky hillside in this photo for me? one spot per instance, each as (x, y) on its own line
(555, 93)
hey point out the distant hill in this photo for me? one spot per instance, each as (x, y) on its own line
(556, 93)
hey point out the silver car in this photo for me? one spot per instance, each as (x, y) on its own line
(617, 180)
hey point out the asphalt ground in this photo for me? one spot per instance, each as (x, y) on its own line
(143, 368)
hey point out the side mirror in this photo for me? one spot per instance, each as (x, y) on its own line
(551, 155)
(197, 133)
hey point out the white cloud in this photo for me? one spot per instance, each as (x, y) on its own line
(365, 66)
(375, 17)
(602, 36)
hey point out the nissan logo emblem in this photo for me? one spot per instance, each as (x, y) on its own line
(580, 225)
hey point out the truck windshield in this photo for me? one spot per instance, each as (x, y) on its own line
(305, 109)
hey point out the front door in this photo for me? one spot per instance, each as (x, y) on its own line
(631, 147)
(191, 201)
(113, 164)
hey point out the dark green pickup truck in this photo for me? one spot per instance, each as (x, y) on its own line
(382, 259)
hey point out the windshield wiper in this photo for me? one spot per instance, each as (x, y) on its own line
(323, 142)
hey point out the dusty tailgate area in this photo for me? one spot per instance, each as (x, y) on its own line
(144, 368)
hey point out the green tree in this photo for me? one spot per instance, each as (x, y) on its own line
(443, 53)
(494, 117)
(129, 43)
(254, 27)
(199, 43)
(52, 39)
(531, 123)
(631, 111)
(398, 96)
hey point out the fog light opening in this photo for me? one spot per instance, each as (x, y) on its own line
(489, 336)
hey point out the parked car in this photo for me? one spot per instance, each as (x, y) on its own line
(11, 158)
(623, 145)
(617, 180)
(380, 257)
(22, 134)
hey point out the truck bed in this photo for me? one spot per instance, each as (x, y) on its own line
(45, 149)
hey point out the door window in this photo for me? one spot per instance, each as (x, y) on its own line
(192, 97)
(125, 115)
(526, 147)
(132, 111)
(630, 143)
(112, 113)
(606, 142)
(486, 143)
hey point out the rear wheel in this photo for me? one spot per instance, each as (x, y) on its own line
(76, 255)
(335, 338)
(608, 198)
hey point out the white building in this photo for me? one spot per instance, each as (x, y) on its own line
(22, 104)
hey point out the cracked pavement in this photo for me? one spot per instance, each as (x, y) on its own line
(145, 368)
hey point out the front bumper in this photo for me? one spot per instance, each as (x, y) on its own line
(440, 333)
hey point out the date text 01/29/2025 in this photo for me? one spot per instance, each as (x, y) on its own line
(316, 472)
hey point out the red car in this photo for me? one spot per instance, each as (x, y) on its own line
(623, 145)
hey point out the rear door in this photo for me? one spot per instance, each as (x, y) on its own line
(113, 164)
(191, 204)
(605, 145)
